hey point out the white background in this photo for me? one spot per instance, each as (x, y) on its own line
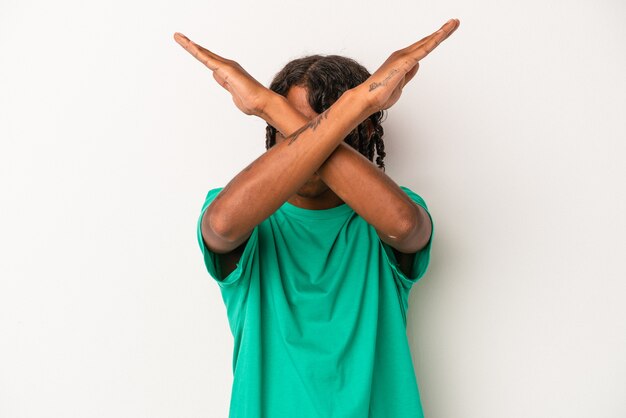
(111, 134)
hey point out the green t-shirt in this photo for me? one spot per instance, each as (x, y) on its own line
(317, 308)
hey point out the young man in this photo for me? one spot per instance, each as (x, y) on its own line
(314, 248)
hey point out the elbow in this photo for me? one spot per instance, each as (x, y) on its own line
(214, 224)
(414, 231)
(215, 232)
(407, 223)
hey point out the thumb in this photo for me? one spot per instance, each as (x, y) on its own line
(411, 73)
(220, 80)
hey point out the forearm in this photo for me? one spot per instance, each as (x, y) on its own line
(266, 183)
(355, 179)
(370, 192)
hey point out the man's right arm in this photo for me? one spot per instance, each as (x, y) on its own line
(265, 184)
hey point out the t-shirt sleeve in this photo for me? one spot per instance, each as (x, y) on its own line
(211, 258)
(422, 257)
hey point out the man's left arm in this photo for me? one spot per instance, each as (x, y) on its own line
(398, 221)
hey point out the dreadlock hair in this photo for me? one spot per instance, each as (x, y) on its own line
(326, 78)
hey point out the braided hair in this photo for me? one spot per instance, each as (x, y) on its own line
(326, 78)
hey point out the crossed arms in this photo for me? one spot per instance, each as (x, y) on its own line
(372, 194)
(316, 145)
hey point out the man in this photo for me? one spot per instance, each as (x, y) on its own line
(314, 248)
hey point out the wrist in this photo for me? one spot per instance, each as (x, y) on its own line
(281, 114)
(269, 105)
(361, 97)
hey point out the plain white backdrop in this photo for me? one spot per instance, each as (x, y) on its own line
(111, 134)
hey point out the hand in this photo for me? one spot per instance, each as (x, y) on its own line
(383, 88)
(249, 95)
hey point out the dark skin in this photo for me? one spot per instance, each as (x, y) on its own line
(310, 166)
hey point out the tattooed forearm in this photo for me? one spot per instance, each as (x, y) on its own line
(313, 124)
(375, 85)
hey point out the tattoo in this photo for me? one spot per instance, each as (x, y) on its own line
(313, 124)
(375, 85)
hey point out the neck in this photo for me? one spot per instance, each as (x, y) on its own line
(324, 200)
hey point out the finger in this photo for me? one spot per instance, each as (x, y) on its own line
(419, 43)
(203, 55)
(432, 41)
(195, 50)
(436, 37)
(411, 73)
(443, 33)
